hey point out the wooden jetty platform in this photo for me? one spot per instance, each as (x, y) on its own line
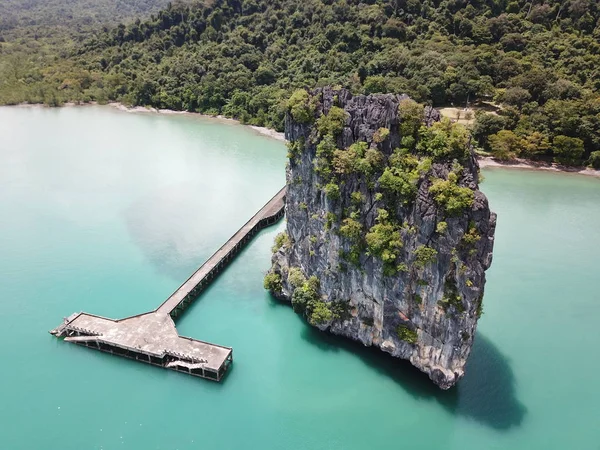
(189, 290)
(152, 337)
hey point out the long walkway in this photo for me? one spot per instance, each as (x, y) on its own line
(152, 337)
(269, 214)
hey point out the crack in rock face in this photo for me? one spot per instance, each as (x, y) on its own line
(387, 240)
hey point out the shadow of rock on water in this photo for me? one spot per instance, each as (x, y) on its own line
(486, 394)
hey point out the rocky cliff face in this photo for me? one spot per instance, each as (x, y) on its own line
(388, 236)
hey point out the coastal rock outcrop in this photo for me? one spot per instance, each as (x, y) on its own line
(388, 236)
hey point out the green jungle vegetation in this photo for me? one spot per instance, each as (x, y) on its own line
(537, 61)
(48, 18)
(38, 39)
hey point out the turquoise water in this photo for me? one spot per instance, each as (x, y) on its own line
(108, 212)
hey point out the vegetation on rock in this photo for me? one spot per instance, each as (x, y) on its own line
(281, 240)
(384, 241)
(272, 282)
(451, 298)
(332, 123)
(454, 198)
(306, 300)
(406, 334)
(424, 255)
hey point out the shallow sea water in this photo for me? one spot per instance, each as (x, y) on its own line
(108, 212)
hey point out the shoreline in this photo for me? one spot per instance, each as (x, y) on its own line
(145, 110)
(484, 161)
(523, 164)
(142, 109)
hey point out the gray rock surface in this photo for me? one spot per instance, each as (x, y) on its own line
(379, 304)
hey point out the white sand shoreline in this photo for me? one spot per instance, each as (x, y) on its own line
(522, 164)
(484, 161)
(141, 109)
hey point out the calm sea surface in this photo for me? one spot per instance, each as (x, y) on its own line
(108, 212)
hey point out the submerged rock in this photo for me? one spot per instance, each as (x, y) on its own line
(388, 236)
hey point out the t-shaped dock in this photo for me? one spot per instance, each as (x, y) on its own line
(152, 337)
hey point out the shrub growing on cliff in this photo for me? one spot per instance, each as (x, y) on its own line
(401, 177)
(470, 238)
(296, 277)
(451, 296)
(300, 298)
(384, 241)
(424, 255)
(305, 292)
(325, 149)
(332, 191)
(333, 122)
(480, 307)
(330, 219)
(295, 149)
(406, 334)
(444, 140)
(320, 313)
(358, 158)
(344, 161)
(348, 160)
(357, 198)
(381, 135)
(452, 197)
(399, 183)
(305, 300)
(351, 229)
(281, 240)
(272, 282)
(374, 160)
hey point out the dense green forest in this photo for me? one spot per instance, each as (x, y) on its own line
(49, 18)
(39, 37)
(537, 60)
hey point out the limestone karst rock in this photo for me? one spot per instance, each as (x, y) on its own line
(388, 236)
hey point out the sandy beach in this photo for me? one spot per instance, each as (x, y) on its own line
(523, 164)
(141, 109)
(484, 161)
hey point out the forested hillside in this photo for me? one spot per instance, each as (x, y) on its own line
(38, 37)
(47, 18)
(538, 59)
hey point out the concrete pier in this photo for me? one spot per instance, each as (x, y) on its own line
(152, 337)
(189, 290)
